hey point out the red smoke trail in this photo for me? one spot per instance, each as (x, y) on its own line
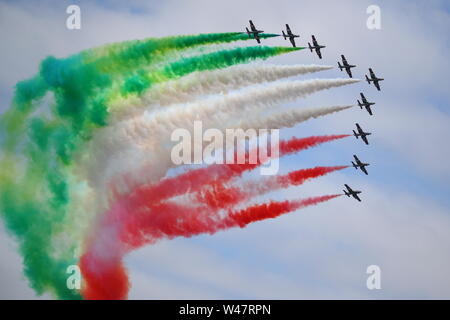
(103, 280)
(295, 178)
(195, 179)
(218, 196)
(169, 220)
(179, 220)
(106, 278)
(164, 216)
(271, 210)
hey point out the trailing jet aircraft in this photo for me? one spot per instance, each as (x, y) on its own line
(350, 192)
(254, 32)
(316, 47)
(361, 134)
(360, 165)
(373, 78)
(290, 35)
(346, 66)
(365, 103)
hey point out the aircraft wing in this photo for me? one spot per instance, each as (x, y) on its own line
(257, 37)
(363, 98)
(355, 195)
(252, 26)
(356, 159)
(372, 74)
(363, 169)
(364, 138)
(369, 110)
(318, 52)
(344, 61)
(359, 128)
(349, 72)
(292, 41)
(377, 85)
(314, 41)
(288, 30)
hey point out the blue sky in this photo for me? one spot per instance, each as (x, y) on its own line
(403, 223)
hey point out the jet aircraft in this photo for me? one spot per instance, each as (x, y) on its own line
(360, 165)
(350, 192)
(316, 47)
(254, 32)
(346, 66)
(365, 103)
(361, 134)
(290, 35)
(373, 78)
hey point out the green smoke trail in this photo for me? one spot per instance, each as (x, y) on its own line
(222, 59)
(131, 55)
(38, 151)
(141, 81)
(146, 47)
(111, 59)
(98, 66)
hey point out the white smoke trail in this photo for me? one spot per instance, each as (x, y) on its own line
(132, 143)
(205, 83)
(146, 139)
(287, 118)
(147, 129)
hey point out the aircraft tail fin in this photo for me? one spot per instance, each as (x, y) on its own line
(354, 165)
(368, 80)
(248, 32)
(284, 35)
(310, 48)
(340, 66)
(359, 104)
(346, 193)
(354, 133)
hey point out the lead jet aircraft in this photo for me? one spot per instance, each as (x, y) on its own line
(361, 134)
(290, 35)
(315, 46)
(346, 66)
(254, 32)
(365, 103)
(373, 78)
(350, 192)
(360, 165)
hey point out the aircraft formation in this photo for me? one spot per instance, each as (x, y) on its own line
(343, 65)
